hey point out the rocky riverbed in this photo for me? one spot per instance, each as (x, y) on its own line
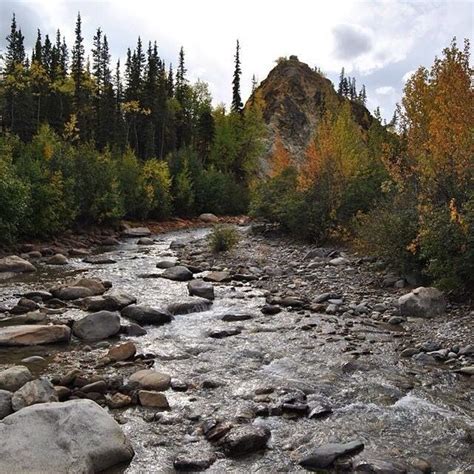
(275, 356)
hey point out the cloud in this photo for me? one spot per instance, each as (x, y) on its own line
(407, 75)
(385, 90)
(351, 41)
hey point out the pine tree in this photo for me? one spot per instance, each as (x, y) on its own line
(341, 88)
(38, 49)
(254, 83)
(236, 99)
(362, 98)
(77, 65)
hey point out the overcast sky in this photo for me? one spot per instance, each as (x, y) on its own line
(378, 42)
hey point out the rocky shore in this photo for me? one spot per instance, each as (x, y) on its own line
(151, 353)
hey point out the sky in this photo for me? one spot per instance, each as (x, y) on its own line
(380, 43)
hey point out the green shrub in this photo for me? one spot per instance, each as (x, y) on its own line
(157, 185)
(223, 238)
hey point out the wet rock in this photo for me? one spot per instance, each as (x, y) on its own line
(153, 399)
(232, 317)
(74, 436)
(118, 400)
(136, 232)
(214, 430)
(381, 467)
(324, 456)
(319, 411)
(466, 350)
(217, 277)
(409, 351)
(201, 288)
(63, 393)
(338, 261)
(192, 304)
(15, 264)
(36, 391)
(331, 309)
(396, 320)
(146, 315)
(209, 218)
(99, 260)
(133, 330)
(195, 461)
(33, 360)
(222, 333)
(97, 326)
(98, 287)
(30, 335)
(178, 385)
(245, 439)
(466, 370)
(23, 306)
(78, 252)
(14, 378)
(442, 354)
(109, 242)
(108, 302)
(71, 292)
(168, 263)
(178, 244)
(270, 309)
(422, 302)
(145, 241)
(430, 346)
(38, 294)
(177, 273)
(5, 403)
(287, 301)
(58, 259)
(150, 379)
(123, 351)
(95, 387)
(421, 465)
(424, 358)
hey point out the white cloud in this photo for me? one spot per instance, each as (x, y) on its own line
(407, 75)
(385, 90)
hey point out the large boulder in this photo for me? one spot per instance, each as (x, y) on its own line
(177, 273)
(192, 304)
(5, 403)
(32, 335)
(57, 259)
(109, 302)
(323, 457)
(209, 218)
(14, 378)
(151, 380)
(36, 391)
(68, 293)
(423, 303)
(97, 326)
(15, 264)
(146, 315)
(201, 288)
(94, 284)
(77, 436)
(133, 232)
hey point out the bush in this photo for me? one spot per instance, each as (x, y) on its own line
(223, 238)
(157, 185)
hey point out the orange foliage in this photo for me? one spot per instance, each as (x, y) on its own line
(280, 158)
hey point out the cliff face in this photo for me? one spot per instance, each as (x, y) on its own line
(293, 98)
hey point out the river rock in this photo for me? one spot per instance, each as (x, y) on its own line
(466, 370)
(99, 260)
(133, 330)
(208, 218)
(77, 436)
(33, 360)
(97, 326)
(232, 317)
(152, 399)
(152, 380)
(135, 232)
(201, 288)
(122, 351)
(118, 400)
(423, 303)
(36, 391)
(145, 241)
(324, 456)
(409, 351)
(58, 259)
(177, 273)
(222, 333)
(338, 261)
(68, 293)
(245, 439)
(194, 461)
(467, 350)
(193, 304)
(98, 287)
(38, 295)
(5, 403)
(217, 277)
(109, 302)
(14, 378)
(23, 306)
(143, 314)
(270, 309)
(381, 467)
(167, 263)
(15, 264)
(31, 335)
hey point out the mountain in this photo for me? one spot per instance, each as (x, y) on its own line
(293, 98)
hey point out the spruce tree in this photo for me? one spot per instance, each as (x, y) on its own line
(77, 65)
(340, 89)
(236, 98)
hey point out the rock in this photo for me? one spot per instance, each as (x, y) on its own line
(424, 358)
(33, 360)
(58, 259)
(331, 309)
(135, 232)
(178, 385)
(222, 333)
(467, 350)
(396, 320)
(319, 411)
(167, 263)
(95, 387)
(99, 260)
(71, 292)
(430, 346)
(122, 351)
(97, 286)
(245, 439)
(145, 241)
(145, 315)
(63, 393)
(466, 370)
(118, 400)
(201, 288)
(97, 326)
(193, 304)
(15, 264)
(36, 391)
(109, 302)
(324, 456)
(14, 378)
(77, 436)
(232, 317)
(217, 277)
(150, 379)
(195, 461)
(442, 354)
(152, 399)
(423, 303)
(338, 261)
(5, 403)
(381, 467)
(209, 218)
(24, 305)
(133, 330)
(31, 335)
(177, 273)
(38, 295)
(270, 309)
(78, 252)
(178, 244)
(409, 351)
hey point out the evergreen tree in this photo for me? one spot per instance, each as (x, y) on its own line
(254, 83)
(236, 105)
(341, 88)
(77, 65)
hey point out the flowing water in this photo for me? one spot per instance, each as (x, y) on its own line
(399, 410)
